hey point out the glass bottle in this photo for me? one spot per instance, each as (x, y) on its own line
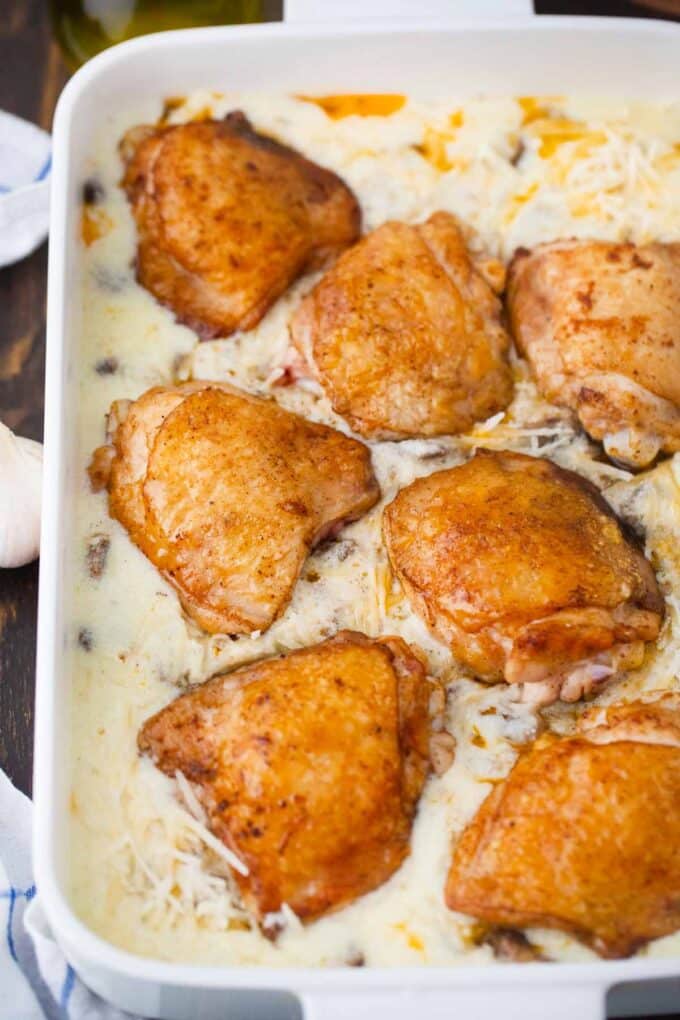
(84, 27)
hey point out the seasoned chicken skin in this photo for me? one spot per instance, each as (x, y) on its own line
(228, 218)
(404, 333)
(583, 835)
(226, 493)
(309, 767)
(524, 571)
(600, 324)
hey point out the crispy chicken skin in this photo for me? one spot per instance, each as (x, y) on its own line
(600, 324)
(524, 571)
(226, 493)
(309, 767)
(583, 835)
(404, 333)
(228, 218)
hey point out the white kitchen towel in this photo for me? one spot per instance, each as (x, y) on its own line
(36, 981)
(25, 162)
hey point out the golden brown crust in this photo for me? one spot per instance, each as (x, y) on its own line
(226, 493)
(228, 218)
(652, 720)
(520, 567)
(404, 334)
(583, 837)
(309, 767)
(599, 324)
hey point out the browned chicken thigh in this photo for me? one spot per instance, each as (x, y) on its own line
(226, 493)
(600, 324)
(404, 333)
(524, 571)
(584, 834)
(309, 767)
(228, 218)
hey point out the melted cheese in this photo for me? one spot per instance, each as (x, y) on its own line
(146, 874)
(360, 104)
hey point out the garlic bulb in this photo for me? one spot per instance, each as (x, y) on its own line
(20, 491)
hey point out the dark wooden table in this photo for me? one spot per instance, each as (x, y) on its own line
(31, 77)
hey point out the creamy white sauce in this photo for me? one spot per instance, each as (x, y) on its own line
(143, 875)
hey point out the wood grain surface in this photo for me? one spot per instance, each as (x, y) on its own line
(31, 77)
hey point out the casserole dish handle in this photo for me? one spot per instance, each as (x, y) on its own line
(463, 10)
(517, 1001)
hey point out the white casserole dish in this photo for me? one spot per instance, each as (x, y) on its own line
(522, 55)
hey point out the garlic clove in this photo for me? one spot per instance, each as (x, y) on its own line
(20, 497)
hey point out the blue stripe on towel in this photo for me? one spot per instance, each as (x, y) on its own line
(67, 987)
(13, 895)
(45, 169)
(10, 894)
(10, 915)
(41, 175)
